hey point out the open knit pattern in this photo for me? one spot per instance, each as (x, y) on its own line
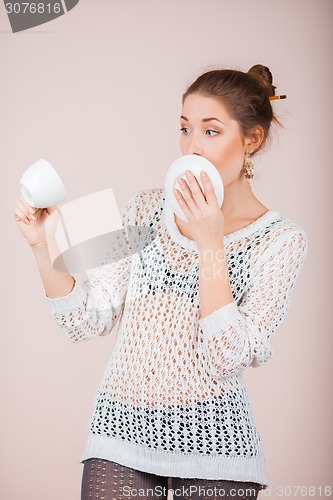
(172, 400)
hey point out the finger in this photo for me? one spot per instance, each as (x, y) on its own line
(33, 213)
(209, 190)
(51, 209)
(182, 203)
(188, 196)
(198, 194)
(24, 210)
(24, 202)
(20, 216)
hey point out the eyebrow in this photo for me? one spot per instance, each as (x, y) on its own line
(204, 119)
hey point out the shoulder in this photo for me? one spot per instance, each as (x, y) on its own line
(152, 195)
(287, 229)
(285, 237)
(142, 204)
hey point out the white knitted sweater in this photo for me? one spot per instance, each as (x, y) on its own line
(172, 400)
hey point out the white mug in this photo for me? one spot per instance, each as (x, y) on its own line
(41, 185)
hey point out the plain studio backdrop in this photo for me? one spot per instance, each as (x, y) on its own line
(97, 92)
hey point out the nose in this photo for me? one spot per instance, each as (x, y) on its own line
(194, 146)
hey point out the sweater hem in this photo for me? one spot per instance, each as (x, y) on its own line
(176, 464)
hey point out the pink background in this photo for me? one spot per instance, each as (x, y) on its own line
(97, 93)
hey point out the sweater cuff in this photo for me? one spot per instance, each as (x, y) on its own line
(75, 298)
(218, 320)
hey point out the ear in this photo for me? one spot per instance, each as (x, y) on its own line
(254, 139)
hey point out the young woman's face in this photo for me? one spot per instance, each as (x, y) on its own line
(219, 140)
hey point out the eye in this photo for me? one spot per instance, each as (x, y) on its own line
(183, 129)
(214, 131)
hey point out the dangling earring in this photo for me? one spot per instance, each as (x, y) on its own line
(248, 167)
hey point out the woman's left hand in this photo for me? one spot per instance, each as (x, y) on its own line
(202, 210)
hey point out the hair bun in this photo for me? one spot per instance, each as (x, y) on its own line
(263, 75)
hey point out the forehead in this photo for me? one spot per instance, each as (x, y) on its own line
(197, 106)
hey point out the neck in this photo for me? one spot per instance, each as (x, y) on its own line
(239, 199)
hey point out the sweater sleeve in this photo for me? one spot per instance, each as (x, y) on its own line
(235, 337)
(93, 308)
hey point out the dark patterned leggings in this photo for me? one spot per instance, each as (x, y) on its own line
(106, 480)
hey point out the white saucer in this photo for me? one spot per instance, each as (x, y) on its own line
(195, 164)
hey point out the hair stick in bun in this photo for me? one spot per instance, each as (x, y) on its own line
(273, 97)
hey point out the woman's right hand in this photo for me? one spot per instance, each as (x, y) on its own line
(32, 221)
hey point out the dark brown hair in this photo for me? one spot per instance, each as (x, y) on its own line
(245, 96)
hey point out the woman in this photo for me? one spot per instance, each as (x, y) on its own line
(172, 402)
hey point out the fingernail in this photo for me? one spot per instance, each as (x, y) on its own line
(31, 210)
(203, 173)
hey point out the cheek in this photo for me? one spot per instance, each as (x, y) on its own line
(232, 155)
(229, 159)
(182, 142)
(229, 163)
